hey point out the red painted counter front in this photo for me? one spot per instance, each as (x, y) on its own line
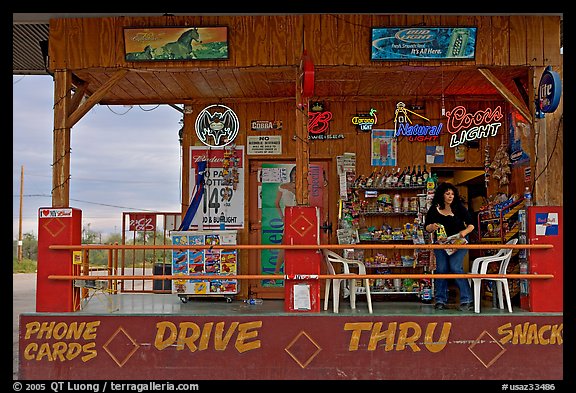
(301, 347)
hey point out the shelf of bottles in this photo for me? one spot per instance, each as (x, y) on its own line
(400, 193)
(393, 179)
(377, 202)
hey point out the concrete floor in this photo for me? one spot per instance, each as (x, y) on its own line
(102, 303)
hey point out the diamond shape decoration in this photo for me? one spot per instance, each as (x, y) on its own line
(303, 347)
(124, 345)
(486, 351)
(301, 225)
(54, 226)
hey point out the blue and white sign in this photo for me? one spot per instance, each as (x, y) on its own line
(423, 43)
(547, 224)
(549, 91)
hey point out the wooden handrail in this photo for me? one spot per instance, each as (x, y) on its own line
(319, 276)
(301, 246)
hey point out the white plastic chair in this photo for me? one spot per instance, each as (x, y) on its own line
(480, 266)
(331, 258)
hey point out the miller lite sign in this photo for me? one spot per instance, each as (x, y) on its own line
(549, 91)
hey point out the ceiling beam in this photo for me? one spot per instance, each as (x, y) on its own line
(507, 94)
(95, 98)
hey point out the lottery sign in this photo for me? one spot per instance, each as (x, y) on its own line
(223, 199)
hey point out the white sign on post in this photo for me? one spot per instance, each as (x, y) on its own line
(220, 200)
(264, 144)
(302, 297)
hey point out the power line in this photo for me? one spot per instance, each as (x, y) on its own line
(76, 178)
(83, 201)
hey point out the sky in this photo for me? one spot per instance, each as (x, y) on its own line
(123, 158)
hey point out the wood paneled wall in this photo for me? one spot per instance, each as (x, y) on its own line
(331, 39)
(409, 153)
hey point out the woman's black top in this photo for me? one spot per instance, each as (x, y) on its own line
(452, 223)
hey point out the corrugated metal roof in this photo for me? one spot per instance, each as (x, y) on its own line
(27, 57)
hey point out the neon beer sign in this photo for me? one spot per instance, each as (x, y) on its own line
(472, 126)
(365, 122)
(415, 132)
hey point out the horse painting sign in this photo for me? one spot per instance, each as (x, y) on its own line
(176, 43)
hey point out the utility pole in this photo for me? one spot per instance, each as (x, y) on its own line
(20, 218)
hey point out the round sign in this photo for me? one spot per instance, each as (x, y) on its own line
(217, 125)
(549, 91)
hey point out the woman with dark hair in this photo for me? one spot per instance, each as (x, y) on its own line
(448, 211)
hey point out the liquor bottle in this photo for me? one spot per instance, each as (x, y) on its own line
(370, 179)
(413, 176)
(407, 177)
(363, 182)
(401, 175)
(419, 180)
(358, 181)
(424, 174)
(382, 175)
(378, 178)
(390, 178)
(395, 178)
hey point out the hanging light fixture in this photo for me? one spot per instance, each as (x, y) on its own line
(181, 131)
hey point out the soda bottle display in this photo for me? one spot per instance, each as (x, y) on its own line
(522, 253)
(527, 197)
(426, 294)
(222, 221)
(523, 270)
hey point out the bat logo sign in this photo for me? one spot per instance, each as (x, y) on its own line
(217, 126)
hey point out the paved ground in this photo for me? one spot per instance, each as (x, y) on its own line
(23, 300)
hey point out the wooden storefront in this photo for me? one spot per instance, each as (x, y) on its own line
(261, 81)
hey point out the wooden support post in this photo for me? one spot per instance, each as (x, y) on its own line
(61, 140)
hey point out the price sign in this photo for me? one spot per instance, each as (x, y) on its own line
(221, 200)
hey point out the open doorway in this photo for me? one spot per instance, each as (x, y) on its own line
(472, 189)
(267, 181)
